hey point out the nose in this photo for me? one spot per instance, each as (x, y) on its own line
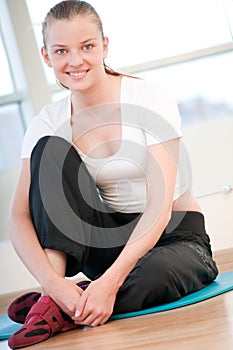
(75, 59)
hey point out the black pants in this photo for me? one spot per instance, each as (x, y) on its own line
(69, 215)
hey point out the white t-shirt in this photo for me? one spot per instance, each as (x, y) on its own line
(149, 115)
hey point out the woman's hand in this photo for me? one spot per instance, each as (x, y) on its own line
(65, 293)
(96, 303)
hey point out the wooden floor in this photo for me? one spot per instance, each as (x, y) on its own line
(202, 326)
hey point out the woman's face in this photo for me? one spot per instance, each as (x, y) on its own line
(76, 50)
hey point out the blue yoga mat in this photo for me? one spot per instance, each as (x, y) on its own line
(222, 284)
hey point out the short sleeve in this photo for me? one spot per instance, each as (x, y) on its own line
(161, 119)
(54, 119)
(37, 128)
(157, 114)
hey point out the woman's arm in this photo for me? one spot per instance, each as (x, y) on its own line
(96, 303)
(25, 241)
(161, 179)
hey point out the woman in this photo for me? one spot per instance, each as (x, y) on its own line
(103, 190)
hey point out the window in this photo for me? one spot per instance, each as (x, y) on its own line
(203, 87)
(144, 31)
(11, 135)
(6, 87)
(152, 30)
(38, 11)
(11, 95)
(228, 7)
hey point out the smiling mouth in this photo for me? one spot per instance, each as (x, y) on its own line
(79, 74)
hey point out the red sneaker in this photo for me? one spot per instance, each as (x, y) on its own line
(44, 320)
(19, 308)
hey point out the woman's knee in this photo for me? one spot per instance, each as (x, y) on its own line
(170, 272)
(162, 275)
(148, 284)
(155, 265)
(49, 145)
(50, 154)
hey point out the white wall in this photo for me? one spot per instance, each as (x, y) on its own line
(218, 210)
(14, 276)
(210, 146)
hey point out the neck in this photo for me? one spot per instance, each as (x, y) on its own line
(107, 90)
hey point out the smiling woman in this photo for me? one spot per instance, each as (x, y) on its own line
(125, 176)
(104, 189)
(77, 59)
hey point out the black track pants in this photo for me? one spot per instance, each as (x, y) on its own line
(69, 215)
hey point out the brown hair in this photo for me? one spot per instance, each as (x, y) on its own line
(69, 9)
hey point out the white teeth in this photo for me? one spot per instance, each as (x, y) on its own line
(76, 74)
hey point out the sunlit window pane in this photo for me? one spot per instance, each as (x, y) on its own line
(6, 86)
(11, 136)
(158, 29)
(203, 87)
(228, 5)
(152, 29)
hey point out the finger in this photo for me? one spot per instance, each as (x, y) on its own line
(99, 321)
(91, 321)
(88, 316)
(94, 320)
(80, 311)
(80, 290)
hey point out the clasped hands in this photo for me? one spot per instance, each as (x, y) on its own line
(95, 305)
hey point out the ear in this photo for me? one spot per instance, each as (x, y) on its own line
(45, 56)
(105, 46)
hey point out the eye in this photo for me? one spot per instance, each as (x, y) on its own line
(88, 47)
(61, 51)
